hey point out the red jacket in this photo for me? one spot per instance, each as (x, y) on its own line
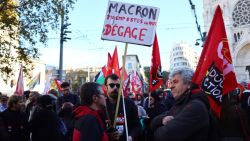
(88, 125)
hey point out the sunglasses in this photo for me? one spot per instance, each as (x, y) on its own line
(112, 85)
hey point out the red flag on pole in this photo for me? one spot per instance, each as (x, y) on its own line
(155, 71)
(115, 63)
(136, 83)
(109, 66)
(58, 83)
(20, 85)
(215, 72)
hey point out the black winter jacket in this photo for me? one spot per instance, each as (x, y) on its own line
(190, 123)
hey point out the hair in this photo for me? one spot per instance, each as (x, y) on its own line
(111, 76)
(88, 90)
(14, 99)
(35, 93)
(65, 84)
(54, 92)
(45, 102)
(186, 73)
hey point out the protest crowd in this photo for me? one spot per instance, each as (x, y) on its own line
(203, 105)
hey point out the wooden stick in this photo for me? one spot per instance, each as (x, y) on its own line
(120, 89)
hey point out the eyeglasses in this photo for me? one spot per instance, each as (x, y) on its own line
(112, 85)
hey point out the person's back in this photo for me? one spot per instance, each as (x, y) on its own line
(14, 121)
(45, 125)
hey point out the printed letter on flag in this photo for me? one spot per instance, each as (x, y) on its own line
(215, 72)
(155, 71)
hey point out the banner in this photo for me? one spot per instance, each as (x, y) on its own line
(130, 23)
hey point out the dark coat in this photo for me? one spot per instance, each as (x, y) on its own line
(134, 127)
(74, 99)
(14, 125)
(190, 123)
(45, 126)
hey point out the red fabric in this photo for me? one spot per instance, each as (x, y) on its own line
(155, 71)
(136, 83)
(58, 83)
(115, 63)
(109, 66)
(125, 86)
(20, 85)
(84, 110)
(215, 64)
(248, 86)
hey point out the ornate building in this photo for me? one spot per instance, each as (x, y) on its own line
(236, 14)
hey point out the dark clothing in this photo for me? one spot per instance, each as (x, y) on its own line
(133, 122)
(156, 110)
(190, 123)
(74, 99)
(88, 125)
(45, 126)
(233, 119)
(67, 117)
(14, 125)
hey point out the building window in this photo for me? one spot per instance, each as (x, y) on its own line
(129, 65)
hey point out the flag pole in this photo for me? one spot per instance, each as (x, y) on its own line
(125, 116)
(120, 89)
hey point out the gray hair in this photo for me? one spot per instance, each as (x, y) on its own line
(186, 73)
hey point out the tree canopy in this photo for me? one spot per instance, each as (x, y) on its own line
(23, 24)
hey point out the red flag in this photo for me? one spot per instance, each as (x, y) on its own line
(109, 66)
(155, 71)
(126, 86)
(136, 83)
(214, 72)
(115, 63)
(20, 85)
(58, 83)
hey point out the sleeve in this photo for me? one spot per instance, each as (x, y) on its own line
(90, 129)
(190, 120)
(133, 120)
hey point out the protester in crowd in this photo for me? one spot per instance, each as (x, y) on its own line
(66, 114)
(67, 96)
(14, 122)
(45, 124)
(245, 101)
(112, 85)
(234, 123)
(53, 93)
(3, 102)
(156, 107)
(188, 119)
(89, 125)
(138, 99)
(31, 106)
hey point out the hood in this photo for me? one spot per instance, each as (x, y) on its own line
(83, 110)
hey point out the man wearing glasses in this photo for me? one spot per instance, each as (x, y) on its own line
(67, 96)
(112, 85)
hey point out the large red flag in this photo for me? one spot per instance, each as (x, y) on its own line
(109, 66)
(115, 63)
(20, 85)
(215, 72)
(155, 71)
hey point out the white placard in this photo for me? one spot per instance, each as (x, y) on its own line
(130, 23)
